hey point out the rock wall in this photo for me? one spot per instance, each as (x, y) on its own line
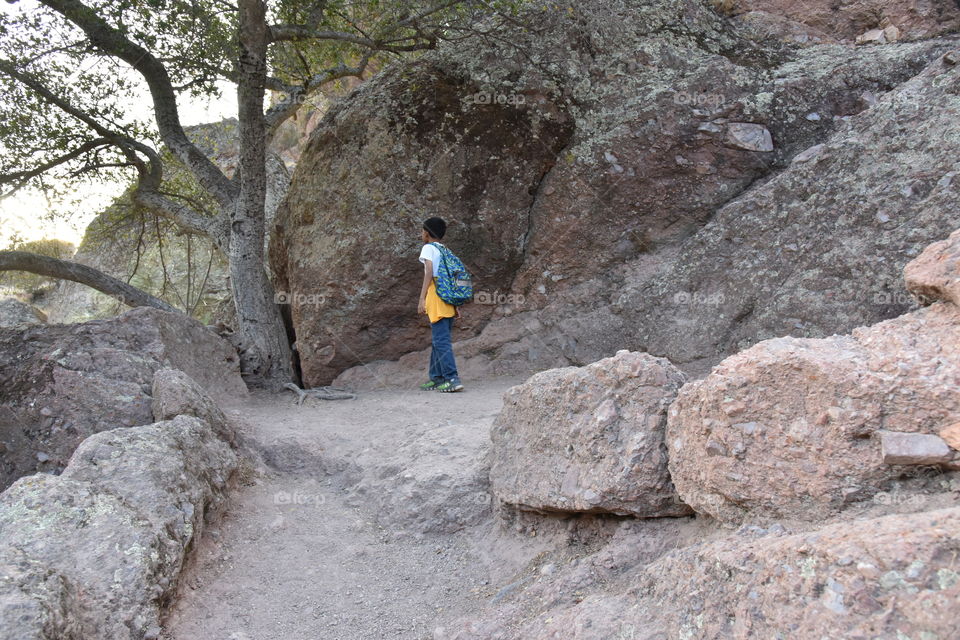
(593, 184)
(62, 383)
(96, 552)
(838, 457)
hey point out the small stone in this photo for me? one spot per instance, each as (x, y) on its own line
(716, 448)
(46, 412)
(913, 448)
(749, 136)
(874, 36)
(153, 633)
(891, 33)
(813, 117)
(952, 57)
(42, 457)
(809, 154)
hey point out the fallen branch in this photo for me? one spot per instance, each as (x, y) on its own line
(323, 393)
(76, 272)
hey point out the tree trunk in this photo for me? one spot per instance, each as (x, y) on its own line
(258, 316)
(65, 270)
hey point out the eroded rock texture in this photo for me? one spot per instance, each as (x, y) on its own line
(589, 439)
(96, 552)
(62, 383)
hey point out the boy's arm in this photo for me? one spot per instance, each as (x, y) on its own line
(427, 279)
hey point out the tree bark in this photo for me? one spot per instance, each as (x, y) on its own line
(257, 312)
(65, 270)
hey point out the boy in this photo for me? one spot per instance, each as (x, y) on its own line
(443, 367)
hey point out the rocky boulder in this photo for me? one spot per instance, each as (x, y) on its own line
(61, 383)
(800, 428)
(620, 146)
(95, 553)
(19, 315)
(175, 393)
(589, 439)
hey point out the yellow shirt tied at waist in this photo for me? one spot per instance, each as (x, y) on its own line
(437, 309)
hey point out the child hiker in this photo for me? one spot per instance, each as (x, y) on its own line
(443, 367)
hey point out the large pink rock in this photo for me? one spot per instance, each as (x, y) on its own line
(589, 439)
(789, 428)
(935, 274)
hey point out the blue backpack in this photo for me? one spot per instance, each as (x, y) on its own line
(454, 284)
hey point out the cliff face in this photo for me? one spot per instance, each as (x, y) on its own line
(642, 176)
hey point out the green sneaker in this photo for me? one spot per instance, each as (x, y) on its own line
(429, 385)
(450, 386)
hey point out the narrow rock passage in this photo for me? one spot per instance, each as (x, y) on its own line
(299, 556)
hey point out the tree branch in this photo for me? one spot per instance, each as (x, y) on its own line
(114, 42)
(21, 177)
(297, 32)
(76, 272)
(184, 216)
(295, 95)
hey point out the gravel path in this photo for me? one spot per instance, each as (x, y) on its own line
(295, 558)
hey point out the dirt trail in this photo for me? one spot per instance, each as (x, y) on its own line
(298, 556)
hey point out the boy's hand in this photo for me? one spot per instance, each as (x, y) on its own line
(422, 307)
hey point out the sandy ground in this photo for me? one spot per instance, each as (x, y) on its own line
(295, 558)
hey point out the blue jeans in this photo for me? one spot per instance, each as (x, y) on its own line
(442, 365)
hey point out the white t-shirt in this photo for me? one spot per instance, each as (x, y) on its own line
(431, 253)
